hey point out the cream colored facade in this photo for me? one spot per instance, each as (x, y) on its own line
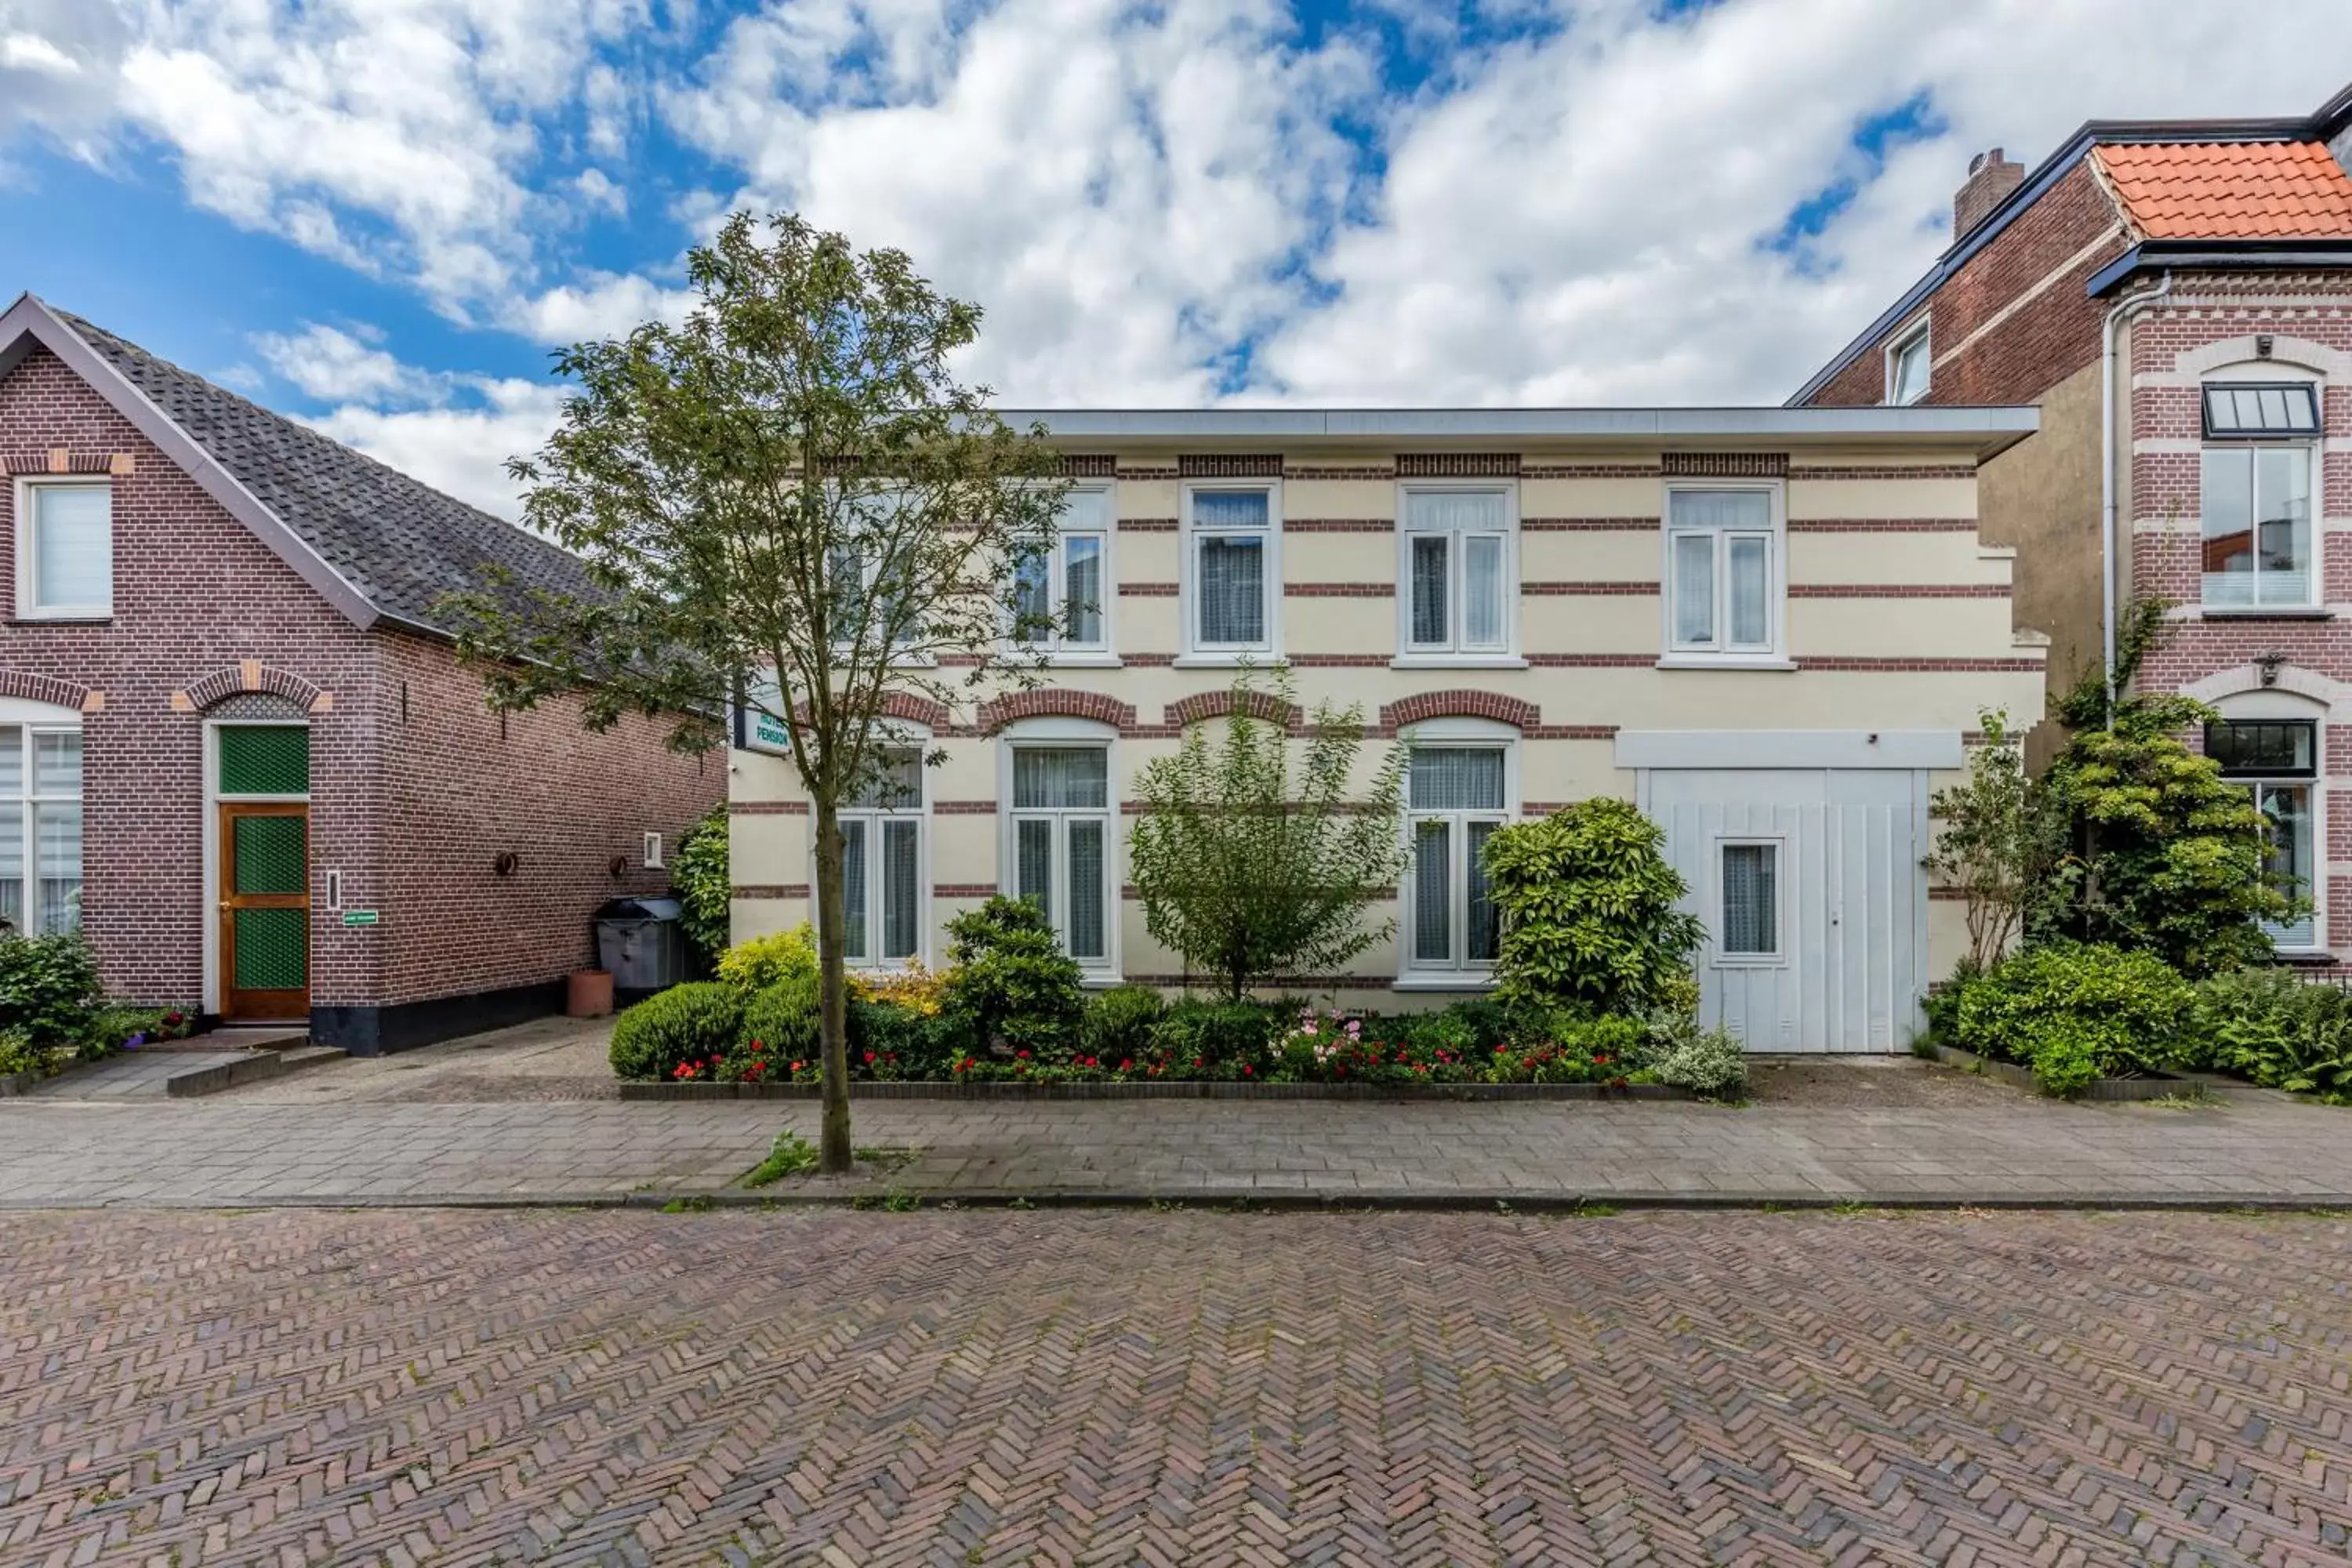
(1889, 630)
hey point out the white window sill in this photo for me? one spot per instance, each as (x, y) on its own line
(1453, 980)
(1264, 658)
(1457, 661)
(1097, 979)
(1746, 960)
(2266, 612)
(1077, 660)
(1724, 661)
(94, 612)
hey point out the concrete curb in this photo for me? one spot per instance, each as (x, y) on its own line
(784, 1196)
(262, 1064)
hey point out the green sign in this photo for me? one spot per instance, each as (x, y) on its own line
(362, 917)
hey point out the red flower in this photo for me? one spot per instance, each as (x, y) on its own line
(1126, 1065)
(1246, 1070)
(1022, 1054)
(869, 1056)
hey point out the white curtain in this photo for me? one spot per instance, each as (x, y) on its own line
(1430, 553)
(1693, 588)
(1463, 511)
(1232, 589)
(1457, 778)
(1484, 934)
(1750, 570)
(1060, 778)
(1743, 510)
(1750, 899)
(897, 784)
(853, 888)
(1086, 894)
(902, 893)
(73, 546)
(1432, 923)
(1482, 591)
(1033, 859)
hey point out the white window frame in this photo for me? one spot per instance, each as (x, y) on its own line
(1772, 655)
(1054, 648)
(1922, 338)
(2263, 708)
(29, 606)
(1459, 974)
(33, 719)
(1451, 654)
(1065, 734)
(2315, 599)
(908, 738)
(1719, 956)
(1267, 649)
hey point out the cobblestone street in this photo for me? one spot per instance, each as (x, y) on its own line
(990, 1387)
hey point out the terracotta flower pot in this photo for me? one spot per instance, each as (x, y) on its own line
(588, 993)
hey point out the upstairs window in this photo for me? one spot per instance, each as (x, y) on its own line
(1457, 796)
(2277, 761)
(65, 550)
(1909, 369)
(1060, 592)
(882, 864)
(1234, 575)
(1061, 843)
(2254, 490)
(1458, 571)
(40, 828)
(1722, 573)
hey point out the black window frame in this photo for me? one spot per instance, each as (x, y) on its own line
(2301, 394)
(2260, 758)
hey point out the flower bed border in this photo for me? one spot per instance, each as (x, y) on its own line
(1191, 1088)
(2155, 1086)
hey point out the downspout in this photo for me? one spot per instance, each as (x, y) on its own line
(2123, 309)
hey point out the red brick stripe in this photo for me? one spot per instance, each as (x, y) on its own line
(1338, 589)
(1229, 466)
(1588, 524)
(1543, 590)
(1920, 471)
(963, 808)
(1147, 525)
(964, 890)
(1147, 590)
(768, 808)
(1840, 661)
(1882, 525)
(1725, 465)
(1361, 471)
(770, 890)
(1338, 525)
(1458, 465)
(1898, 590)
(1590, 470)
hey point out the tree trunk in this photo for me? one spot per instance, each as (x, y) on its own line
(834, 1155)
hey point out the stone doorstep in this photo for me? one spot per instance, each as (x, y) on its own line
(264, 1063)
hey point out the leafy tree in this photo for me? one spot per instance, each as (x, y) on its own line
(789, 500)
(1587, 904)
(705, 886)
(1991, 843)
(1251, 869)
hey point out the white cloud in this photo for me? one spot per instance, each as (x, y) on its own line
(335, 366)
(58, 71)
(462, 451)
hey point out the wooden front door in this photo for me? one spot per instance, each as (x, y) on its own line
(265, 904)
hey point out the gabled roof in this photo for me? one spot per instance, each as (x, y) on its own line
(377, 544)
(2230, 189)
(2314, 129)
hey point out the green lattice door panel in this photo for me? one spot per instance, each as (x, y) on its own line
(265, 908)
(264, 759)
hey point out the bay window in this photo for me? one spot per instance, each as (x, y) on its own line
(1233, 570)
(40, 828)
(882, 876)
(1061, 593)
(1059, 831)
(65, 548)
(1722, 573)
(2254, 489)
(2276, 760)
(1459, 571)
(1456, 797)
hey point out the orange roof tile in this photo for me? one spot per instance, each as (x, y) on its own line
(2230, 190)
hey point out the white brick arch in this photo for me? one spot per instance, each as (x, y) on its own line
(2287, 352)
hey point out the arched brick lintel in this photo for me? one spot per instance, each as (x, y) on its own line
(251, 675)
(913, 709)
(1217, 704)
(31, 687)
(1458, 704)
(1055, 703)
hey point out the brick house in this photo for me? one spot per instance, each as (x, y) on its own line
(235, 747)
(2177, 298)
(1770, 628)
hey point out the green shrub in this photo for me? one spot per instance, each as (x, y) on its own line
(780, 1025)
(699, 876)
(1217, 1039)
(1011, 981)
(19, 1055)
(1588, 905)
(1571, 1048)
(697, 1023)
(48, 988)
(763, 960)
(2076, 1013)
(1709, 1063)
(119, 1025)
(887, 1040)
(1120, 1022)
(2267, 1026)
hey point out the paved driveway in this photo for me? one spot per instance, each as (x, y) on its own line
(985, 1387)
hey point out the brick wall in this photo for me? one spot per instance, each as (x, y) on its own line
(2044, 340)
(415, 786)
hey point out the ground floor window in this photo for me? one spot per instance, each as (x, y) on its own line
(40, 828)
(1456, 799)
(1751, 926)
(2278, 760)
(1061, 843)
(882, 864)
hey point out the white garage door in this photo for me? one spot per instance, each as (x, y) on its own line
(1807, 880)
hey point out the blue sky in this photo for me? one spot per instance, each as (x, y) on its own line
(381, 215)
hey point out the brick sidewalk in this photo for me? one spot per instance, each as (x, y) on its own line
(842, 1388)
(2253, 1148)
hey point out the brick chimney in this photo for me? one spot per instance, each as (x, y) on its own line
(1990, 179)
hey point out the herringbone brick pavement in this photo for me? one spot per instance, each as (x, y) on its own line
(409, 1388)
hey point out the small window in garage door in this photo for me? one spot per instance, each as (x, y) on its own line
(1750, 883)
